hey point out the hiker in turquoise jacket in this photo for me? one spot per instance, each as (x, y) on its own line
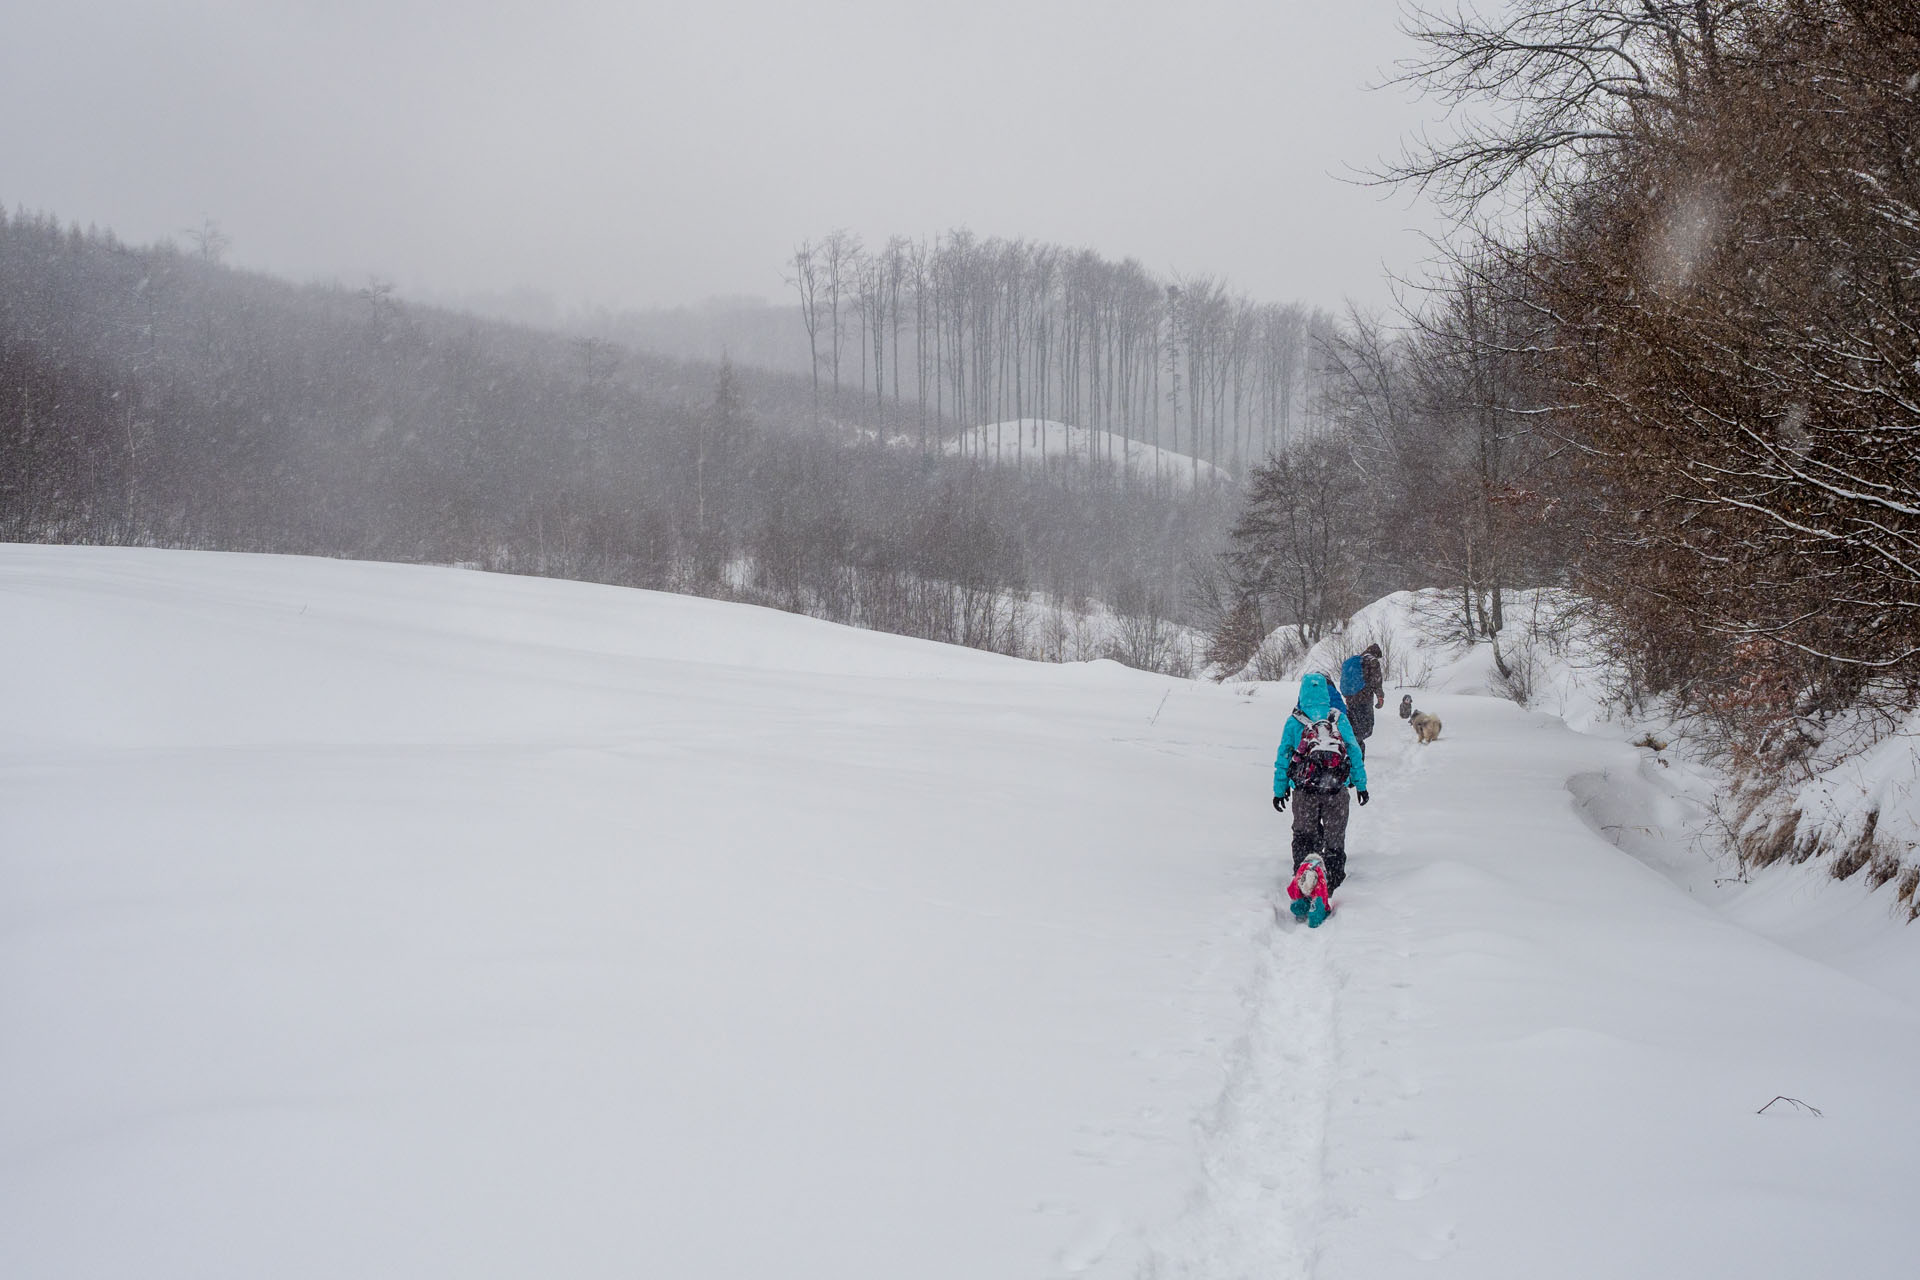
(1319, 758)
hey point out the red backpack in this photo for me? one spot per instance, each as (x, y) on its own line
(1319, 762)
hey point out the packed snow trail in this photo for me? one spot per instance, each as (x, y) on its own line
(384, 921)
(1545, 1058)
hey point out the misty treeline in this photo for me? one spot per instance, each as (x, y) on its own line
(1676, 353)
(1422, 469)
(986, 331)
(154, 396)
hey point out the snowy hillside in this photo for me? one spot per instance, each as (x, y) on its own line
(385, 921)
(1037, 443)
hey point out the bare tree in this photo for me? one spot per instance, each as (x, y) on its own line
(210, 243)
(805, 281)
(839, 260)
(1299, 540)
(1562, 87)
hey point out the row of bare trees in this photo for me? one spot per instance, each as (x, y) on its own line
(1735, 289)
(1675, 357)
(977, 331)
(1721, 247)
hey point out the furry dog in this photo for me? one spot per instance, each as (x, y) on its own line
(1425, 727)
(1406, 706)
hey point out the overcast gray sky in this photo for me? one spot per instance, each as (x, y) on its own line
(642, 152)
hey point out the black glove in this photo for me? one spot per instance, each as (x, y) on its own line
(1280, 802)
(1363, 797)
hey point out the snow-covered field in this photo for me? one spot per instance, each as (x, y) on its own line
(379, 921)
(1037, 442)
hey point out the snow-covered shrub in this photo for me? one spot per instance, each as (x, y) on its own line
(1144, 634)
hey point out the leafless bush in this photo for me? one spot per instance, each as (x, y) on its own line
(1145, 636)
(1054, 633)
(1860, 853)
(1884, 868)
(1228, 616)
(1515, 679)
(1529, 641)
(1442, 621)
(1278, 657)
(1771, 843)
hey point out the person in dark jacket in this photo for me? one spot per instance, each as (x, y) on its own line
(1319, 803)
(1372, 695)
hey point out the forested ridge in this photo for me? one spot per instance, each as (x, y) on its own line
(994, 330)
(153, 395)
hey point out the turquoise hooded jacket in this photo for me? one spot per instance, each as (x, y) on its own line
(1316, 699)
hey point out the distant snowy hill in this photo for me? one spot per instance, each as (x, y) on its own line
(388, 921)
(1043, 443)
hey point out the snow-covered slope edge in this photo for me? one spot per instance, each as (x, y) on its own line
(1850, 804)
(380, 920)
(1044, 444)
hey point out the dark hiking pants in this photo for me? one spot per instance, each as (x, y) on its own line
(1360, 716)
(1320, 826)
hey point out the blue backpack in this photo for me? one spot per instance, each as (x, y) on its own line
(1353, 675)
